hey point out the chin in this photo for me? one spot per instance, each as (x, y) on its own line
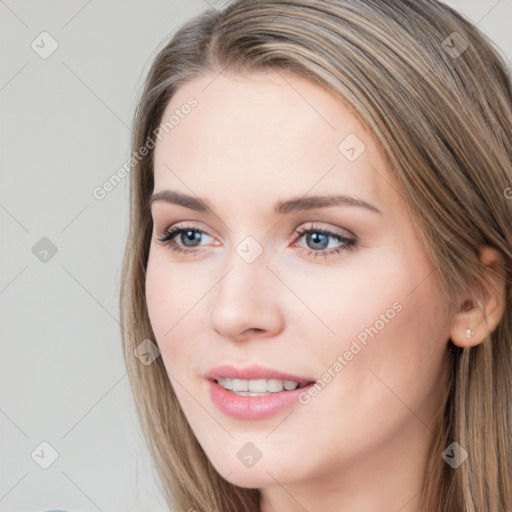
(248, 479)
(263, 473)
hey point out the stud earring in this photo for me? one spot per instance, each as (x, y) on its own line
(469, 333)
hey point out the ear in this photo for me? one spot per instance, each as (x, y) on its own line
(479, 317)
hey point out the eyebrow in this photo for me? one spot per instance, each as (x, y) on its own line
(281, 207)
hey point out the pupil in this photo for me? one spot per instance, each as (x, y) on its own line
(190, 236)
(315, 237)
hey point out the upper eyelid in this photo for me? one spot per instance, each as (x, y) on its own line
(334, 231)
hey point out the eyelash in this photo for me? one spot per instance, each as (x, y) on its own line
(168, 235)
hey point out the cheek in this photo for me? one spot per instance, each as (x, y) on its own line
(386, 322)
(338, 304)
(378, 375)
(389, 353)
(175, 303)
(375, 295)
(170, 292)
(162, 305)
(157, 297)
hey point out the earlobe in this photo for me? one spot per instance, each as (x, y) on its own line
(477, 318)
(469, 327)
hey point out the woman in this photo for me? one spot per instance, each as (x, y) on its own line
(320, 251)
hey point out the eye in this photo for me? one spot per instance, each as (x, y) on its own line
(319, 238)
(190, 236)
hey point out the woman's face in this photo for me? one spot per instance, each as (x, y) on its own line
(241, 287)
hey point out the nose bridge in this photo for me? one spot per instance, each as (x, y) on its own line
(246, 271)
(245, 296)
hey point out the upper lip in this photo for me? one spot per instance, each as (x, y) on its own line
(253, 372)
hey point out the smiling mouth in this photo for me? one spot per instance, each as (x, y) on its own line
(259, 387)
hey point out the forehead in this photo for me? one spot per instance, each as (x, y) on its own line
(266, 132)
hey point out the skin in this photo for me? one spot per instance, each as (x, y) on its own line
(361, 443)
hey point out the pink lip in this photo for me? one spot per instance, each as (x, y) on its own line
(253, 372)
(253, 407)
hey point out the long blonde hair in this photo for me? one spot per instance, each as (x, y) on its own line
(438, 96)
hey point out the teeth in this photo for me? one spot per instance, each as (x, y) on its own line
(290, 385)
(257, 386)
(239, 385)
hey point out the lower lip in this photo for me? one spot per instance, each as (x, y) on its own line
(253, 407)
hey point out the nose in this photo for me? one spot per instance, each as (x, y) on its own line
(246, 301)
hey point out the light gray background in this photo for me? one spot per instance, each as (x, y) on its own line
(65, 127)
